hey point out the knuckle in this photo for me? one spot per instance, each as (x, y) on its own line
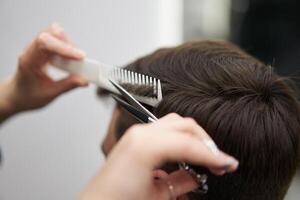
(133, 135)
(174, 116)
(190, 121)
(56, 29)
(54, 25)
(133, 131)
(42, 39)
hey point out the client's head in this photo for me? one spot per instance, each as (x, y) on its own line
(248, 110)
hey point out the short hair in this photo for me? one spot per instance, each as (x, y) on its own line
(249, 111)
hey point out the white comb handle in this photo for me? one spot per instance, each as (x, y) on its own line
(91, 70)
(87, 68)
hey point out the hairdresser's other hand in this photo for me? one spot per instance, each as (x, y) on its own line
(30, 87)
(132, 165)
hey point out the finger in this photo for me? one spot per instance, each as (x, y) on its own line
(71, 82)
(160, 174)
(47, 42)
(229, 168)
(182, 182)
(185, 124)
(190, 126)
(170, 117)
(183, 147)
(58, 31)
(174, 185)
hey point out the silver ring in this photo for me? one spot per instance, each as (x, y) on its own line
(202, 183)
(171, 190)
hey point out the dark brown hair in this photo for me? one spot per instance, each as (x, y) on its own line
(248, 110)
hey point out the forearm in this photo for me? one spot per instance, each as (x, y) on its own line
(6, 105)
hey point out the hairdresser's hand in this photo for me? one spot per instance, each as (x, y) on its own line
(30, 87)
(131, 167)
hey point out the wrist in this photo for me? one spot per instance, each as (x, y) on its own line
(7, 104)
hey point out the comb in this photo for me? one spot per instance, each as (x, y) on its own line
(144, 88)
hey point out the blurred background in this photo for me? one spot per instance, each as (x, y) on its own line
(52, 153)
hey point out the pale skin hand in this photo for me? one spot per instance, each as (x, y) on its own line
(130, 168)
(30, 87)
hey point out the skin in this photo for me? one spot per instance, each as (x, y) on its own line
(182, 180)
(31, 87)
(110, 139)
(170, 139)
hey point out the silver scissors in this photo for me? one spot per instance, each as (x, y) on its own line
(145, 116)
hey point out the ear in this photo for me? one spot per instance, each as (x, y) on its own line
(182, 182)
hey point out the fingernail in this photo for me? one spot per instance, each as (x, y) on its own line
(79, 52)
(222, 172)
(231, 165)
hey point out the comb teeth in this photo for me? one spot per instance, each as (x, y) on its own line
(144, 88)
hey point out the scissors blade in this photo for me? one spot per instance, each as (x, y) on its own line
(151, 117)
(132, 100)
(142, 117)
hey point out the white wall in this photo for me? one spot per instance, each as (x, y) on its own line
(51, 153)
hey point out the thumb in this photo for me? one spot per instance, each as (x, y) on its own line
(71, 82)
(180, 182)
